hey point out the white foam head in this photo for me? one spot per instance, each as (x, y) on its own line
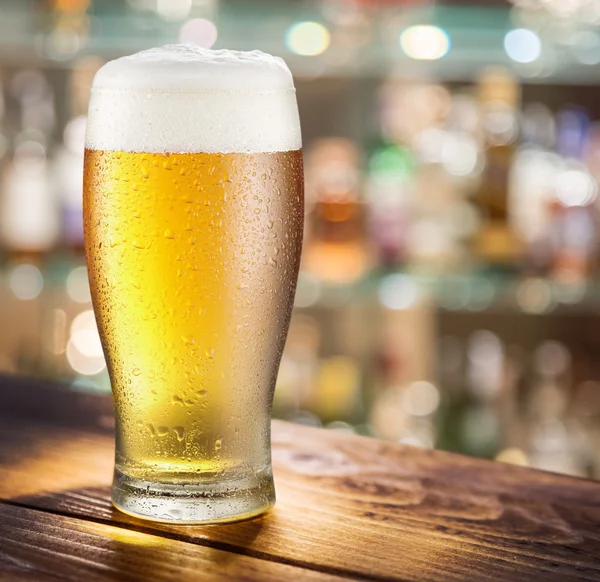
(183, 98)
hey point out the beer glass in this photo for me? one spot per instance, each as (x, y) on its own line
(193, 214)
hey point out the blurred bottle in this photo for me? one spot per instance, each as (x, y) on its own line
(406, 413)
(68, 159)
(552, 445)
(29, 220)
(68, 176)
(3, 137)
(389, 191)
(531, 187)
(592, 152)
(298, 373)
(338, 391)
(35, 101)
(574, 221)
(336, 250)
(419, 175)
(479, 429)
(3, 154)
(497, 243)
(449, 163)
(585, 410)
(29, 228)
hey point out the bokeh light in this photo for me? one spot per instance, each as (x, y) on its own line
(82, 363)
(84, 349)
(78, 287)
(308, 291)
(551, 359)
(307, 38)
(421, 399)
(534, 295)
(575, 187)
(30, 156)
(173, 10)
(74, 134)
(25, 281)
(586, 47)
(522, 45)
(199, 31)
(398, 292)
(425, 42)
(459, 155)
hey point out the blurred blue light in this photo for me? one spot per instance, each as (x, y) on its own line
(522, 45)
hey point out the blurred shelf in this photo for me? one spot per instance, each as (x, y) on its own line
(468, 292)
(397, 290)
(367, 45)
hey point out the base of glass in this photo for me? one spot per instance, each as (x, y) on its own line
(194, 502)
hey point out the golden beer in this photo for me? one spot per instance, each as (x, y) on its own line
(193, 259)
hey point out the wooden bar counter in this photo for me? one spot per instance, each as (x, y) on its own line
(348, 508)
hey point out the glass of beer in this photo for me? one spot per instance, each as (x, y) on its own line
(193, 213)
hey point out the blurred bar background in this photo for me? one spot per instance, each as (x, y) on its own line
(449, 288)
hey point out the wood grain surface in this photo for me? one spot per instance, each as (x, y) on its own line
(41, 545)
(347, 506)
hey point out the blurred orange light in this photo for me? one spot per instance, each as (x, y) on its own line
(70, 5)
(338, 211)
